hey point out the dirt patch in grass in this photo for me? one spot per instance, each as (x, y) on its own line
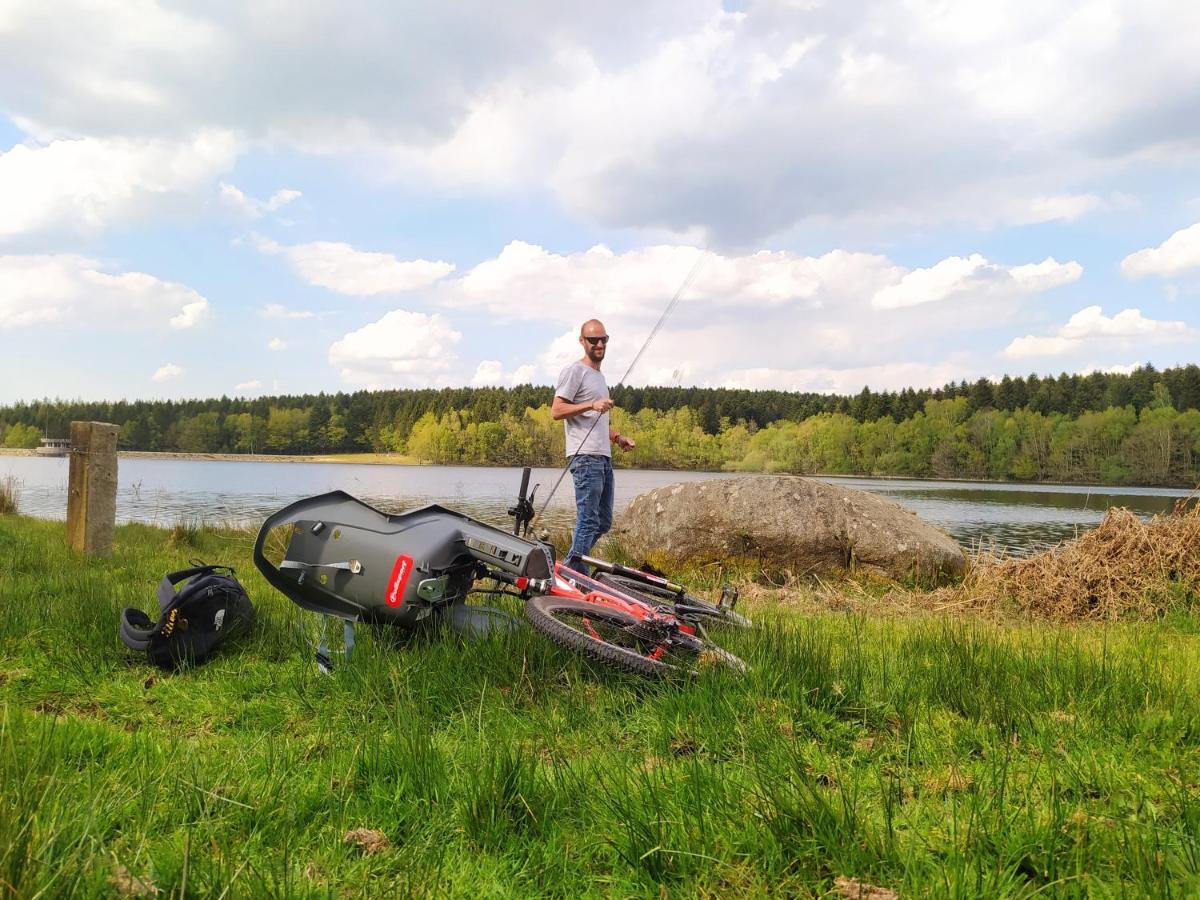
(853, 889)
(125, 884)
(368, 840)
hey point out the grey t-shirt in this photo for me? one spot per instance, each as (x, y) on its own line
(580, 383)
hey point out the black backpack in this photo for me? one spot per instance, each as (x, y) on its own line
(210, 608)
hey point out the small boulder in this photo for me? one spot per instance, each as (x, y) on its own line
(783, 521)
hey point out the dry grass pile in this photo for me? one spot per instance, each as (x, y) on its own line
(8, 496)
(1125, 568)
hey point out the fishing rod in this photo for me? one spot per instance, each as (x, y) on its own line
(683, 286)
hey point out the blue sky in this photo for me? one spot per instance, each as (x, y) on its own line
(199, 200)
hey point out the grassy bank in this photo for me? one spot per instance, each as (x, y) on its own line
(930, 756)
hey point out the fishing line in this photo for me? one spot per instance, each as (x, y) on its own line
(683, 286)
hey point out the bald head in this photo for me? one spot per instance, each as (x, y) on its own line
(594, 339)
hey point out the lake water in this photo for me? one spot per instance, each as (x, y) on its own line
(1019, 517)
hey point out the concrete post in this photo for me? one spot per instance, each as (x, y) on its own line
(92, 487)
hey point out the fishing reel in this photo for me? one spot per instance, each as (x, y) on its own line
(523, 512)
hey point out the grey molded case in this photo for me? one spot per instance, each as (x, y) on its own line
(347, 559)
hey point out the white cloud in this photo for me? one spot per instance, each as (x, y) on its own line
(957, 275)
(296, 72)
(1091, 322)
(888, 376)
(75, 290)
(249, 387)
(1033, 278)
(1178, 253)
(565, 348)
(691, 134)
(341, 268)
(674, 114)
(233, 198)
(277, 344)
(167, 372)
(1032, 345)
(1090, 327)
(87, 185)
(279, 311)
(1117, 369)
(755, 318)
(402, 347)
(528, 282)
(1055, 208)
(490, 373)
(930, 285)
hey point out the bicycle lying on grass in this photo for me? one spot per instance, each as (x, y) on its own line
(345, 559)
(630, 619)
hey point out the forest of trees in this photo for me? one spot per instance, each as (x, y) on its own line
(1139, 428)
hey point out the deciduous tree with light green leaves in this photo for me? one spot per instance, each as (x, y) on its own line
(287, 430)
(22, 437)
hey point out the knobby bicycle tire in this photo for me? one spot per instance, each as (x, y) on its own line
(540, 612)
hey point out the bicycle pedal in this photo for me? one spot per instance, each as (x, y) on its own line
(729, 597)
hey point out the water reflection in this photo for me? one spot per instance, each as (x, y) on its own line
(1018, 517)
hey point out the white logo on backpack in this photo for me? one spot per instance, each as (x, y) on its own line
(218, 619)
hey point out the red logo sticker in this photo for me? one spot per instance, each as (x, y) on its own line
(400, 572)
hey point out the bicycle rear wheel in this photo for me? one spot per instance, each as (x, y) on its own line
(618, 639)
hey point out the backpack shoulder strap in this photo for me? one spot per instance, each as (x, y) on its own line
(136, 628)
(166, 587)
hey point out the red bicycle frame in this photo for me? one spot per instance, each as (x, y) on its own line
(573, 585)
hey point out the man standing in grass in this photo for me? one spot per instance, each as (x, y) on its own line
(581, 401)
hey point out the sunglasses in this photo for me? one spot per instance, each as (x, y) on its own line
(596, 340)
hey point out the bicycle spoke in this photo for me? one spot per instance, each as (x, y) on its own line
(598, 628)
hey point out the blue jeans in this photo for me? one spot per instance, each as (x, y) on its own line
(593, 476)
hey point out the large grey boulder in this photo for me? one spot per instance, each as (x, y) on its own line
(783, 521)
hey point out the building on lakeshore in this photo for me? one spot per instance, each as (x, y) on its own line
(54, 447)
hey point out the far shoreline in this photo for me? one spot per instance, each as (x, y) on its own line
(399, 459)
(369, 459)
(377, 459)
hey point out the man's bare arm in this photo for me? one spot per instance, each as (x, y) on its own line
(563, 409)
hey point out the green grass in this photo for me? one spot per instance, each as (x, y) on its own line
(935, 757)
